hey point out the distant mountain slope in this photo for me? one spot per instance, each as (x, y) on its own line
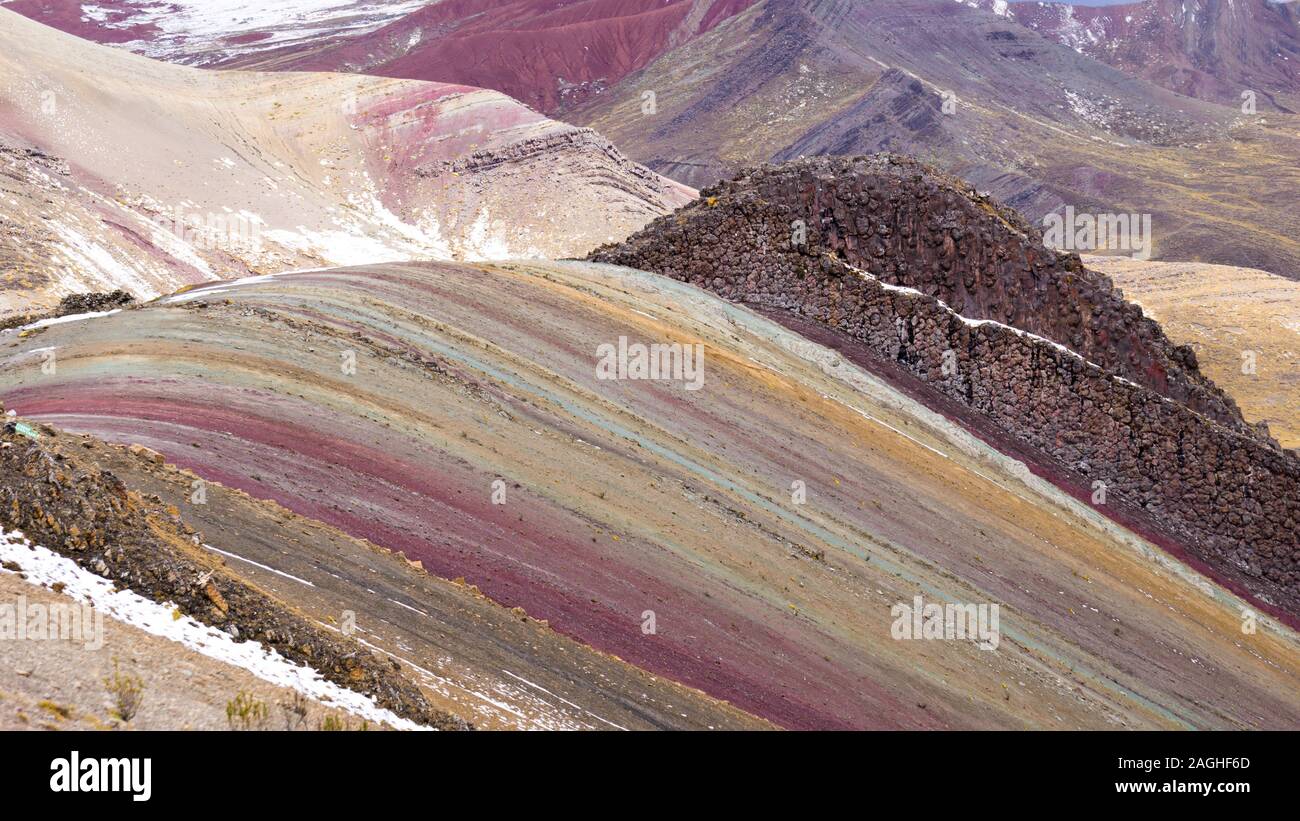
(549, 54)
(698, 89)
(1208, 49)
(552, 53)
(1038, 125)
(122, 172)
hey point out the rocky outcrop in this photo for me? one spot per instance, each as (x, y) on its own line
(907, 224)
(75, 304)
(960, 293)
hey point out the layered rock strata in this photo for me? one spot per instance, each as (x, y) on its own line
(958, 292)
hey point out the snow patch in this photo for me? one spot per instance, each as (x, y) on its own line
(59, 320)
(196, 31)
(45, 567)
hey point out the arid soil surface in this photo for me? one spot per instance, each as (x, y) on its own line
(60, 685)
(1244, 325)
(659, 524)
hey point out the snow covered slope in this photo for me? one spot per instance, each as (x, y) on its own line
(199, 32)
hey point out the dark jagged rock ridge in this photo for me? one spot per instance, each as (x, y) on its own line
(92, 518)
(888, 238)
(908, 224)
(75, 304)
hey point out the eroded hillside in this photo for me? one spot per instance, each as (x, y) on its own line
(749, 537)
(121, 172)
(934, 284)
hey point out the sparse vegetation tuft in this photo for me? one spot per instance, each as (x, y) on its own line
(295, 712)
(244, 712)
(127, 692)
(333, 723)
